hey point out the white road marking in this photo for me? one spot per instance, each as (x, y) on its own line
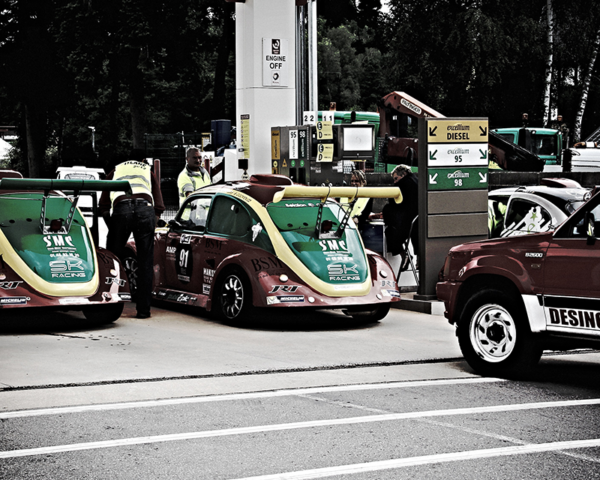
(292, 426)
(428, 460)
(242, 396)
(503, 438)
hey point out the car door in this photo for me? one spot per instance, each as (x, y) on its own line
(524, 216)
(184, 245)
(572, 275)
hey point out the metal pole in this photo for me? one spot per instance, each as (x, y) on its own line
(300, 64)
(313, 101)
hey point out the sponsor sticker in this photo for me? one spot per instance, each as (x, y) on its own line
(273, 300)
(117, 281)
(573, 318)
(73, 300)
(124, 297)
(284, 288)
(256, 229)
(205, 289)
(343, 272)
(534, 254)
(69, 268)
(14, 300)
(10, 285)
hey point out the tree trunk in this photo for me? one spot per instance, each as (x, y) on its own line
(550, 39)
(224, 51)
(137, 101)
(35, 126)
(585, 90)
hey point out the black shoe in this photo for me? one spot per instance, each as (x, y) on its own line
(143, 315)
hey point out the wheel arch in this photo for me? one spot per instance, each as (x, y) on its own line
(479, 282)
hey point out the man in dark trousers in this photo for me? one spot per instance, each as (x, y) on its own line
(398, 217)
(137, 214)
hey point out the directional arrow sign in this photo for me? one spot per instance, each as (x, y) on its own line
(469, 178)
(456, 131)
(456, 155)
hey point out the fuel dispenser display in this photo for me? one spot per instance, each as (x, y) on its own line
(320, 154)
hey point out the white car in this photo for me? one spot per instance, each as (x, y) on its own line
(86, 202)
(532, 209)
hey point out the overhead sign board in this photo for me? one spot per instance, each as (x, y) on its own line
(457, 131)
(275, 62)
(457, 179)
(457, 155)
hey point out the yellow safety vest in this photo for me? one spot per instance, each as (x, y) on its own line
(139, 176)
(187, 180)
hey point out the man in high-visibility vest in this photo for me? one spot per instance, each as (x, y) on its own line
(137, 214)
(193, 176)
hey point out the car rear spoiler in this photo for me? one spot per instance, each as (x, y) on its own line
(76, 186)
(48, 184)
(352, 193)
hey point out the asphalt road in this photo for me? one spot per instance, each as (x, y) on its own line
(182, 396)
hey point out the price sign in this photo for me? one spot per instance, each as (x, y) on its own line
(324, 131)
(324, 152)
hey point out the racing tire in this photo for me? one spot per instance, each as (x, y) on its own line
(494, 335)
(130, 265)
(102, 314)
(233, 297)
(378, 313)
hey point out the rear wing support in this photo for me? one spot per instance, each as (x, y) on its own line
(75, 186)
(323, 193)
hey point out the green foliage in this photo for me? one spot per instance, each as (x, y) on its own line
(165, 67)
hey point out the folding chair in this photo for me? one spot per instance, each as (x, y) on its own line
(408, 256)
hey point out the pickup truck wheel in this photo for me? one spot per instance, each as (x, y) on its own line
(494, 335)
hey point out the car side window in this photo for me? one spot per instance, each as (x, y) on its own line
(229, 217)
(525, 217)
(579, 229)
(194, 213)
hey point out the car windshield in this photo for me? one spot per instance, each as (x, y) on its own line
(544, 144)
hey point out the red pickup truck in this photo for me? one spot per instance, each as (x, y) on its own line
(512, 298)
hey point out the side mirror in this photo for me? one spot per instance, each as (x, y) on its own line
(161, 223)
(589, 222)
(174, 224)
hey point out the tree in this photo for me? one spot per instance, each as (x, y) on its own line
(32, 71)
(585, 89)
(550, 37)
